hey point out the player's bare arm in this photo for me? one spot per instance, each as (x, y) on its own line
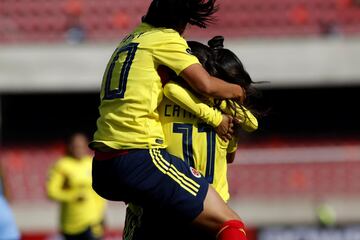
(201, 81)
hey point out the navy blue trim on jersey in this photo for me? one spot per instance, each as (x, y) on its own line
(186, 130)
(125, 69)
(211, 147)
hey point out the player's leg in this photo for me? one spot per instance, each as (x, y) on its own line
(151, 224)
(146, 223)
(154, 178)
(218, 218)
(134, 222)
(215, 215)
(215, 211)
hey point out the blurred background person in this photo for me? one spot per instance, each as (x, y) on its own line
(8, 228)
(69, 183)
(74, 29)
(326, 215)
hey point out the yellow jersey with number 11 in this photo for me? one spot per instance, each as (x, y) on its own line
(188, 126)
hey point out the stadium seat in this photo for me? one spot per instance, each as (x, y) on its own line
(25, 171)
(264, 170)
(271, 18)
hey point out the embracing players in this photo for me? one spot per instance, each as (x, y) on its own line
(131, 163)
(190, 132)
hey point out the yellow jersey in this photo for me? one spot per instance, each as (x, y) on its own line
(132, 89)
(190, 122)
(69, 182)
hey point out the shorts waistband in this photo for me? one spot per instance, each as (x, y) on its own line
(109, 155)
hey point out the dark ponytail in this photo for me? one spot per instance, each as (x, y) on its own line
(230, 68)
(228, 64)
(224, 64)
(216, 42)
(205, 56)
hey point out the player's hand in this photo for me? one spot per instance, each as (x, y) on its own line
(225, 129)
(238, 121)
(240, 100)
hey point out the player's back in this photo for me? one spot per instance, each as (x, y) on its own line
(196, 143)
(132, 90)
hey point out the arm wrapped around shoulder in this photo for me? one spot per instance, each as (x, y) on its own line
(242, 116)
(188, 101)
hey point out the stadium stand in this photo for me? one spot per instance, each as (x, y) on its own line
(269, 179)
(282, 169)
(25, 171)
(51, 20)
(269, 170)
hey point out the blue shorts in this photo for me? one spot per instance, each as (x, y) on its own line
(154, 179)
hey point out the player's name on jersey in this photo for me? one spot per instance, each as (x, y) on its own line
(173, 110)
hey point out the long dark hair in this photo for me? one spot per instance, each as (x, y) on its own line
(205, 56)
(176, 14)
(232, 70)
(229, 66)
(223, 63)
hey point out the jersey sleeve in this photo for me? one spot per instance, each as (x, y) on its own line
(175, 54)
(56, 186)
(188, 101)
(250, 122)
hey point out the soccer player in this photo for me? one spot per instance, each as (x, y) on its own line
(201, 148)
(69, 183)
(189, 131)
(130, 162)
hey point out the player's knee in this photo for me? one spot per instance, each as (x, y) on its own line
(215, 213)
(214, 202)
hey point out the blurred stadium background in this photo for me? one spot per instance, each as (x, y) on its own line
(302, 165)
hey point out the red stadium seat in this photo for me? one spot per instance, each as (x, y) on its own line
(269, 169)
(25, 171)
(236, 18)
